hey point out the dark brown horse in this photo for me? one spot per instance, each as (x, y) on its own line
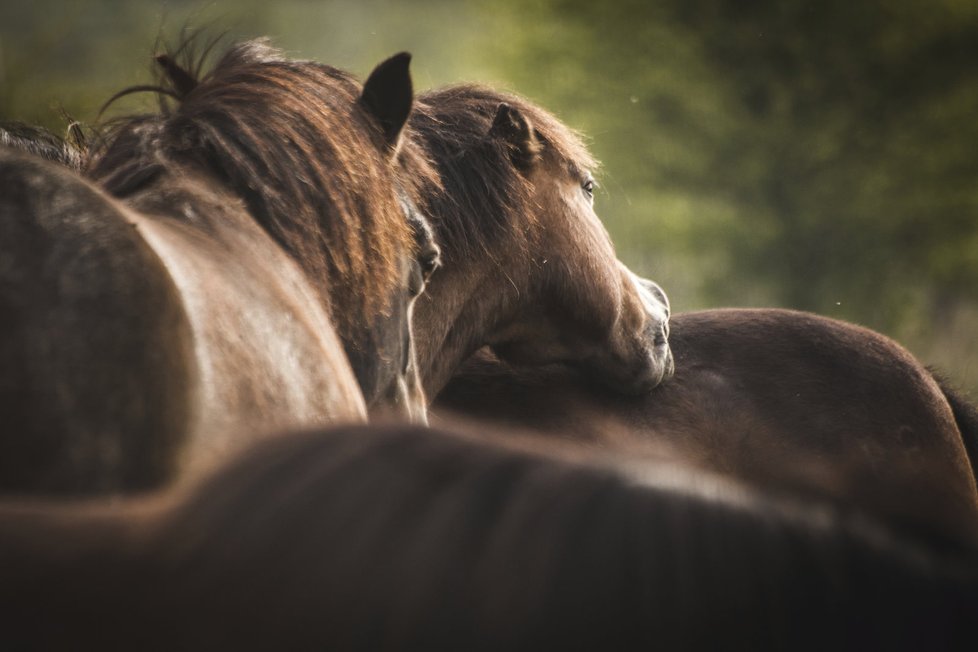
(778, 399)
(406, 539)
(213, 275)
(528, 267)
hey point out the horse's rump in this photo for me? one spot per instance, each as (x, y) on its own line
(97, 367)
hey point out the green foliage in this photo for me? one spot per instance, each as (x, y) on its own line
(821, 156)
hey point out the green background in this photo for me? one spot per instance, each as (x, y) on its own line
(821, 156)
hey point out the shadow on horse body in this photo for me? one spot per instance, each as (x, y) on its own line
(783, 400)
(409, 539)
(255, 235)
(529, 268)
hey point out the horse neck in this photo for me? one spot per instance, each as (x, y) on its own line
(462, 306)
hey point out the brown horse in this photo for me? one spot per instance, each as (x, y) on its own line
(253, 234)
(779, 399)
(528, 267)
(408, 539)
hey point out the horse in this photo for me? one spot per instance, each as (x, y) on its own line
(780, 399)
(402, 538)
(528, 268)
(210, 275)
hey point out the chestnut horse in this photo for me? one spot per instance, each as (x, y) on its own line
(409, 539)
(211, 277)
(780, 399)
(528, 267)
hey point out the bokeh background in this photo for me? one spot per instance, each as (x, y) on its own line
(815, 155)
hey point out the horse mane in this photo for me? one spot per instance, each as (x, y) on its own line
(40, 142)
(484, 191)
(289, 138)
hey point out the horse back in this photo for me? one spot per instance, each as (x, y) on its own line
(792, 399)
(966, 418)
(788, 401)
(95, 348)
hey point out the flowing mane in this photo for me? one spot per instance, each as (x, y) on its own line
(483, 187)
(278, 133)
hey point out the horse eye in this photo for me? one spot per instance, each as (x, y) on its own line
(430, 263)
(588, 187)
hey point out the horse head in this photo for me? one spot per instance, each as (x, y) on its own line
(526, 256)
(321, 165)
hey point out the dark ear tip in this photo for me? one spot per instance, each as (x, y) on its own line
(388, 95)
(401, 60)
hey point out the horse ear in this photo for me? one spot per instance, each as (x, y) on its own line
(515, 130)
(388, 94)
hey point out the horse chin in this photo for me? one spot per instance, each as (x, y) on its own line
(657, 368)
(405, 402)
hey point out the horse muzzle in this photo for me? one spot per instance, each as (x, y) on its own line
(657, 364)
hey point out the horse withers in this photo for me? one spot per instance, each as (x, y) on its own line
(528, 267)
(783, 400)
(206, 280)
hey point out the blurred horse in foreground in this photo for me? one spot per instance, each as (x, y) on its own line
(402, 538)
